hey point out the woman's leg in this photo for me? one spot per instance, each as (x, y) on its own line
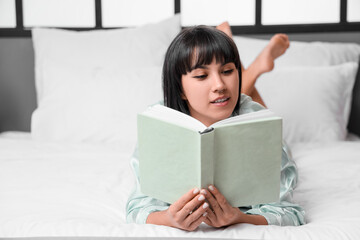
(263, 63)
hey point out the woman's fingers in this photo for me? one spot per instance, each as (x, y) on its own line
(224, 214)
(213, 203)
(184, 199)
(188, 211)
(191, 209)
(210, 218)
(220, 199)
(198, 216)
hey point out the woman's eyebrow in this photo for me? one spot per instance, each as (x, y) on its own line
(225, 63)
(205, 67)
(198, 66)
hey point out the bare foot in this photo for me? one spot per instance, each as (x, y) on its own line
(225, 27)
(275, 48)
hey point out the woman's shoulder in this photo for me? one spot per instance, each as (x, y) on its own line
(247, 105)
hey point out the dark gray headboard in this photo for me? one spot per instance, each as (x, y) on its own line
(17, 87)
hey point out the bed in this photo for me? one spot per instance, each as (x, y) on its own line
(70, 176)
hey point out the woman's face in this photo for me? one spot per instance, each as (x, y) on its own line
(211, 91)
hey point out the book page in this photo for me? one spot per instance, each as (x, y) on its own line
(266, 113)
(173, 116)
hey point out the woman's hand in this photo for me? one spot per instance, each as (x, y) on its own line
(187, 213)
(221, 213)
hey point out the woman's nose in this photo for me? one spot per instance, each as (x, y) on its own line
(218, 83)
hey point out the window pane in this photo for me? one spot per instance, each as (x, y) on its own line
(214, 12)
(7, 14)
(300, 11)
(59, 13)
(353, 10)
(130, 13)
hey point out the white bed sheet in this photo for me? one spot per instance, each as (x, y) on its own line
(57, 189)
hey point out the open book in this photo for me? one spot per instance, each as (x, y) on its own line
(240, 155)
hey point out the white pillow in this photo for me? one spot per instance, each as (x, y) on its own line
(90, 85)
(119, 48)
(94, 104)
(313, 101)
(300, 53)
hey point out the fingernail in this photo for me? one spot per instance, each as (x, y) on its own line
(211, 187)
(203, 191)
(201, 198)
(205, 205)
(196, 190)
(205, 213)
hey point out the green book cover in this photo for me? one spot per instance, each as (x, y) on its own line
(241, 155)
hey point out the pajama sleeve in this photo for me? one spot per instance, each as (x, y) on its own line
(139, 206)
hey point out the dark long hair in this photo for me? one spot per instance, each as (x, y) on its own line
(208, 43)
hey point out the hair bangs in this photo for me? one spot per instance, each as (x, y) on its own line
(203, 47)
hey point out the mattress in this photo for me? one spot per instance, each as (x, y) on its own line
(62, 190)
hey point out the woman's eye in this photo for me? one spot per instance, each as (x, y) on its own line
(228, 71)
(200, 76)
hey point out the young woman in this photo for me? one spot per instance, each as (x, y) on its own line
(202, 76)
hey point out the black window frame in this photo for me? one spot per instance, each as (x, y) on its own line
(258, 28)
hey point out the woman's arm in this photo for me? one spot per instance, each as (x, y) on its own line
(139, 206)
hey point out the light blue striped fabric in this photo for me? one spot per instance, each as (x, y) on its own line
(283, 213)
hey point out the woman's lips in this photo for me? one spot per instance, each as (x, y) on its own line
(221, 101)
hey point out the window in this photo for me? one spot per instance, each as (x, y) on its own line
(59, 13)
(125, 13)
(353, 10)
(7, 14)
(300, 11)
(214, 12)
